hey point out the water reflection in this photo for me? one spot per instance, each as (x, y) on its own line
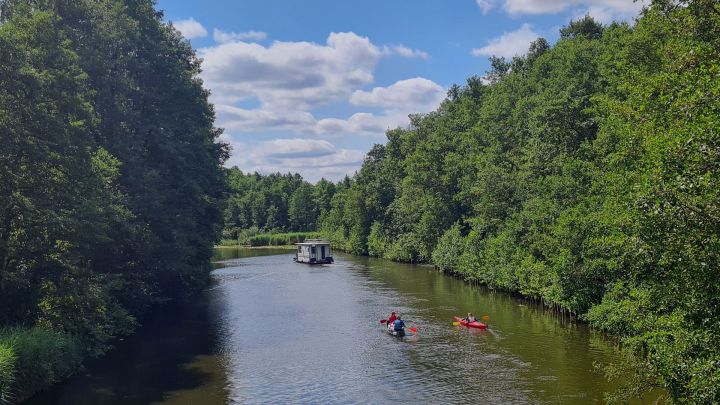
(171, 360)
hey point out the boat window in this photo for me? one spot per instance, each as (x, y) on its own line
(299, 249)
(313, 250)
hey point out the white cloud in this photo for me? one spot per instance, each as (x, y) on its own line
(485, 5)
(263, 119)
(286, 81)
(224, 37)
(509, 44)
(605, 9)
(313, 158)
(362, 123)
(190, 28)
(290, 74)
(404, 51)
(417, 94)
(289, 79)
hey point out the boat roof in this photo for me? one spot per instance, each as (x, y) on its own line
(313, 242)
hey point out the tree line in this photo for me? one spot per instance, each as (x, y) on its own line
(583, 174)
(274, 203)
(111, 185)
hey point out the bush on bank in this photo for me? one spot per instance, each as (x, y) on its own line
(33, 359)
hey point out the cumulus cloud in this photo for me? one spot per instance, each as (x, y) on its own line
(485, 5)
(263, 119)
(286, 82)
(509, 44)
(190, 28)
(404, 51)
(224, 37)
(605, 9)
(362, 123)
(417, 94)
(314, 158)
(290, 74)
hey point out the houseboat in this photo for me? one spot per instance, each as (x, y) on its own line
(313, 251)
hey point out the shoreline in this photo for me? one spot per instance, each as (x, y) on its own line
(255, 247)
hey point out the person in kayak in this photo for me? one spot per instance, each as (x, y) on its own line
(470, 318)
(392, 318)
(399, 326)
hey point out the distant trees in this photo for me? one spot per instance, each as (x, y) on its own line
(583, 174)
(274, 203)
(111, 185)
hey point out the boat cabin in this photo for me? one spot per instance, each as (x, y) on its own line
(313, 251)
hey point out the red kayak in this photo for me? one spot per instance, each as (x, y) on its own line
(475, 324)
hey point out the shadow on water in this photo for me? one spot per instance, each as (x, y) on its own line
(171, 359)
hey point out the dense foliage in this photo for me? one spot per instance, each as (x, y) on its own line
(583, 174)
(273, 203)
(111, 182)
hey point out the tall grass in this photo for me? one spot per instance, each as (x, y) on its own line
(281, 239)
(7, 372)
(32, 359)
(270, 239)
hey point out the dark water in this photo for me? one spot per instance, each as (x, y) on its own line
(272, 331)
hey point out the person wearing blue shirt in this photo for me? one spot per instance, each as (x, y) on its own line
(399, 326)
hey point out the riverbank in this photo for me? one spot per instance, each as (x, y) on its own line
(269, 239)
(289, 247)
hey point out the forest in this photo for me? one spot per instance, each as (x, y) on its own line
(111, 185)
(274, 203)
(583, 175)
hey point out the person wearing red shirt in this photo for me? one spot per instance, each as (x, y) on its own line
(391, 320)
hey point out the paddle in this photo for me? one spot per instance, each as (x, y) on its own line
(383, 321)
(456, 323)
(486, 317)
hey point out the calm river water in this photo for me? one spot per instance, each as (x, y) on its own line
(273, 331)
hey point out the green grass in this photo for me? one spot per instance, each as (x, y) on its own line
(280, 239)
(271, 239)
(33, 359)
(7, 372)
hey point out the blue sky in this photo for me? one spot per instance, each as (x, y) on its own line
(310, 86)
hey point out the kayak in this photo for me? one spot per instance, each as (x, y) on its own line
(400, 333)
(475, 324)
(392, 331)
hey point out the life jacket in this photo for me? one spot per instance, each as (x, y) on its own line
(399, 325)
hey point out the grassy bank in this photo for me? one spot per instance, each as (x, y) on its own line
(33, 359)
(270, 239)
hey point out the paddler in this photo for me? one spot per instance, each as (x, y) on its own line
(399, 326)
(470, 318)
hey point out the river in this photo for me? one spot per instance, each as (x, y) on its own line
(273, 331)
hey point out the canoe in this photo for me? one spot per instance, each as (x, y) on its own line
(475, 324)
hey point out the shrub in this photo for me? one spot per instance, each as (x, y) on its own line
(32, 359)
(449, 249)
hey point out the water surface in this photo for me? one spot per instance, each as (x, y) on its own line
(273, 331)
